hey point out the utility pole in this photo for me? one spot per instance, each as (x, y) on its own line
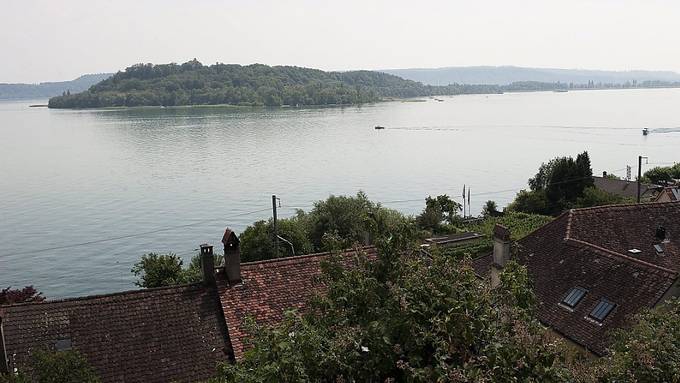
(639, 176)
(276, 232)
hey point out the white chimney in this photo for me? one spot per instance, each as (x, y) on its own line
(501, 252)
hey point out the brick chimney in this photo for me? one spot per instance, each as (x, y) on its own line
(208, 265)
(4, 363)
(501, 252)
(232, 256)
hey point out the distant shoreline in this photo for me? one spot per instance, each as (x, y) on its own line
(386, 99)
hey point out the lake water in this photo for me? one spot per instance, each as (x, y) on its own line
(159, 180)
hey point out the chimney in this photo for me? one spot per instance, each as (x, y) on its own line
(604, 174)
(4, 362)
(232, 256)
(501, 252)
(208, 265)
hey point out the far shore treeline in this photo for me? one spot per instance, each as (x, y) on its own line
(193, 83)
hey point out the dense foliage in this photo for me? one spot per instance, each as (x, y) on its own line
(336, 222)
(560, 184)
(438, 211)
(519, 224)
(649, 351)
(662, 175)
(257, 240)
(402, 317)
(157, 270)
(27, 294)
(55, 367)
(192, 83)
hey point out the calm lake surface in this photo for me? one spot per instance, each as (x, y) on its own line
(163, 180)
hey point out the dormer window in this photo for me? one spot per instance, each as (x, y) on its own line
(601, 310)
(574, 296)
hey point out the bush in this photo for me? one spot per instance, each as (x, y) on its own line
(596, 197)
(490, 209)
(55, 367)
(9, 296)
(404, 318)
(156, 270)
(649, 351)
(531, 202)
(438, 210)
(257, 239)
(347, 217)
(662, 175)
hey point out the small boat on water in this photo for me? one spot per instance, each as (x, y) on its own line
(645, 131)
(378, 127)
(560, 90)
(439, 99)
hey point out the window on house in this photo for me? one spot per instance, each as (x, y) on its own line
(574, 296)
(602, 309)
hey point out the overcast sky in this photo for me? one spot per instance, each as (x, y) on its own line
(51, 40)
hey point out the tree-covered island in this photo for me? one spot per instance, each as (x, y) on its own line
(193, 83)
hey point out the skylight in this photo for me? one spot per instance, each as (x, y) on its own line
(601, 310)
(574, 297)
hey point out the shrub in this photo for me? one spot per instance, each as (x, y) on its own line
(9, 296)
(257, 239)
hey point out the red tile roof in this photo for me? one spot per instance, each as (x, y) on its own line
(153, 335)
(268, 289)
(588, 248)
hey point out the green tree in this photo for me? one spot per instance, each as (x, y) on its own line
(156, 270)
(401, 317)
(660, 175)
(257, 240)
(557, 185)
(349, 218)
(649, 351)
(490, 209)
(438, 210)
(55, 367)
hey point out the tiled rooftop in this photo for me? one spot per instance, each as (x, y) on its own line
(588, 248)
(153, 335)
(268, 289)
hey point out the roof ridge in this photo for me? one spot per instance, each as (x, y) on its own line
(297, 258)
(621, 256)
(188, 286)
(625, 206)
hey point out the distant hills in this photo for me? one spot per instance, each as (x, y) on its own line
(504, 75)
(49, 89)
(193, 83)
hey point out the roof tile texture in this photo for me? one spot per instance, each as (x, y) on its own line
(154, 335)
(588, 248)
(268, 289)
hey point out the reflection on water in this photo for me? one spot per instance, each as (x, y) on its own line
(169, 179)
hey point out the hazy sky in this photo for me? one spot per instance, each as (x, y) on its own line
(58, 40)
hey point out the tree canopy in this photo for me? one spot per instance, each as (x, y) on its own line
(403, 317)
(562, 183)
(193, 83)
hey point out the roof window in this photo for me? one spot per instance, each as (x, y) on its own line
(601, 310)
(574, 296)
